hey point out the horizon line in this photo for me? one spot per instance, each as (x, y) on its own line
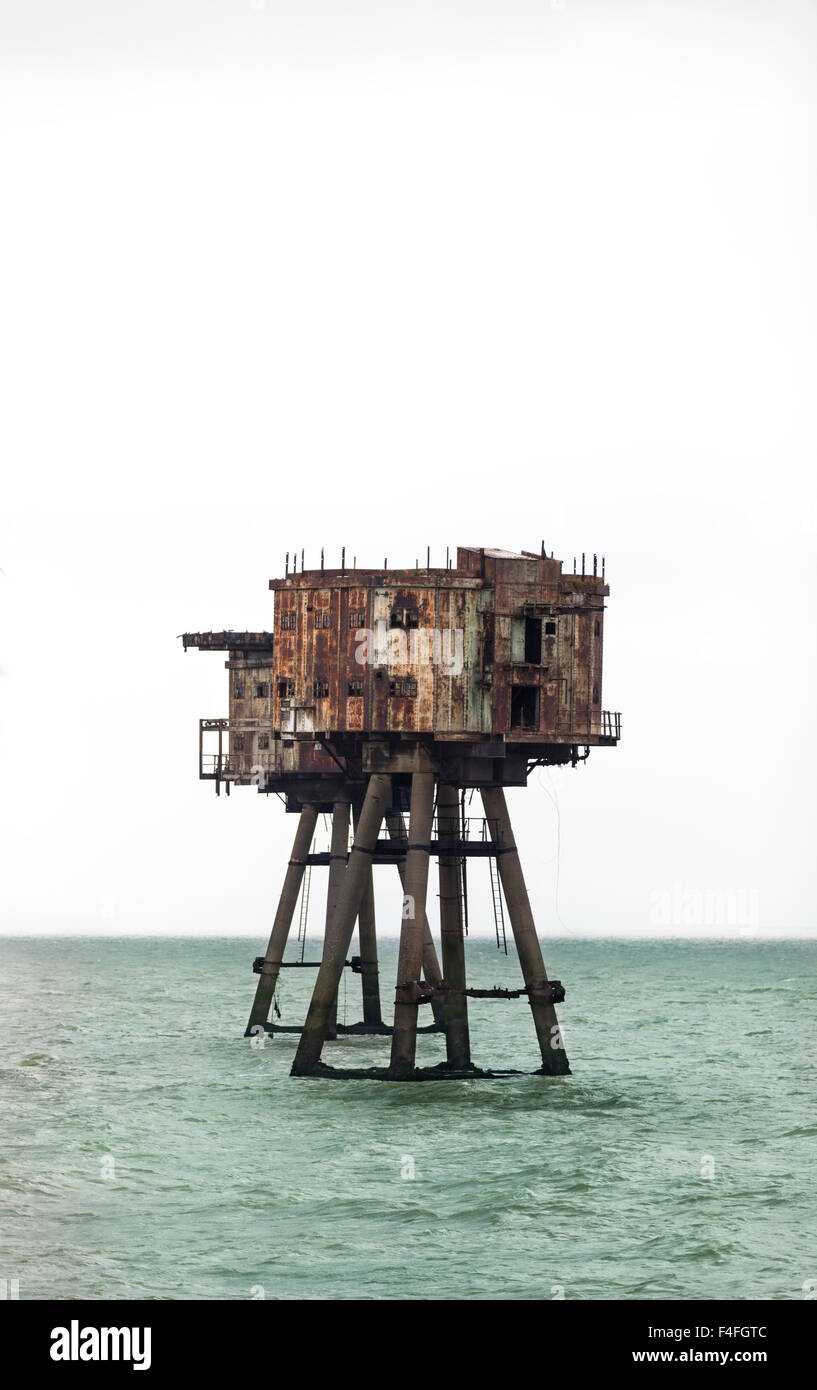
(746, 934)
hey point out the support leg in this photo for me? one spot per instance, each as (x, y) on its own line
(337, 868)
(369, 973)
(369, 969)
(431, 965)
(457, 1040)
(339, 933)
(554, 1056)
(283, 921)
(410, 959)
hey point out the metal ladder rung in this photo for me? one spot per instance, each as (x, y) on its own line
(499, 910)
(304, 912)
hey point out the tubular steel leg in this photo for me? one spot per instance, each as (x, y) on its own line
(554, 1056)
(431, 965)
(457, 1042)
(410, 959)
(339, 932)
(283, 921)
(337, 868)
(369, 971)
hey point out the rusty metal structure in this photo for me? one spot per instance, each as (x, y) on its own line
(386, 692)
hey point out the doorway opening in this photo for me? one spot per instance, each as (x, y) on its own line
(525, 707)
(533, 641)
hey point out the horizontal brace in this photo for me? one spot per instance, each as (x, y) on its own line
(421, 992)
(260, 961)
(389, 852)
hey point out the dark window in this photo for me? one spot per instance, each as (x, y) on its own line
(598, 628)
(263, 741)
(262, 690)
(287, 622)
(357, 618)
(286, 689)
(320, 689)
(550, 629)
(238, 692)
(524, 707)
(321, 619)
(404, 617)
(403, 687)
(533, 641)
(595, 694)
(238, 743)
(356, 687)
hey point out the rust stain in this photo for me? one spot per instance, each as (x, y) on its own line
(502, 646)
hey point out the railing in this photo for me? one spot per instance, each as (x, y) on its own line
(611, 724)
(222, 765)
(474, 829)
(225, 760)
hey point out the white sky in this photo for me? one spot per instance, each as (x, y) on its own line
(392, 276)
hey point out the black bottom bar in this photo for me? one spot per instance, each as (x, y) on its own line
(178, 1342)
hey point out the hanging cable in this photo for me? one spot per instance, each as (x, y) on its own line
(552, 793)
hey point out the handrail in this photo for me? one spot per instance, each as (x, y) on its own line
(611, 723)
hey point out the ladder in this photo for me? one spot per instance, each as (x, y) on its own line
(462, 905)
(499, 911)
(304, 911)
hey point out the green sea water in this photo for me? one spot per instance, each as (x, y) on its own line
(148, 1150)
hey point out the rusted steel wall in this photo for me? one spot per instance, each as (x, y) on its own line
(479, 616)
(503, 646)
(354, 670)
